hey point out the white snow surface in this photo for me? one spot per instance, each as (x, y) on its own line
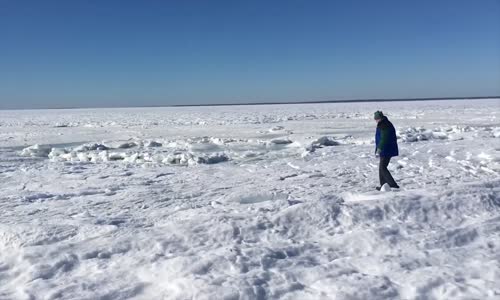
(250, 202)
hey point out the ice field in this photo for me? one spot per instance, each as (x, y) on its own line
(250, 202)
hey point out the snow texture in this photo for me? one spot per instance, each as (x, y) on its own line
(250, 202)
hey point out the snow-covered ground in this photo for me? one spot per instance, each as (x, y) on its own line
(250, 202)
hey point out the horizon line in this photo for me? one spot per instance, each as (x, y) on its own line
(368, 100)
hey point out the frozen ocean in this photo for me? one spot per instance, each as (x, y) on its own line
(250, 202)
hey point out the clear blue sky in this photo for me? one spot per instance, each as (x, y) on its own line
(73, 53)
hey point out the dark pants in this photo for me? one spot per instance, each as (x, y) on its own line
(384, 174)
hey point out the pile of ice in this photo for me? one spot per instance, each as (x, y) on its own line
(91, 147)
(151, 144)
(64, 124)
(203, 151)
(495, 132)
(187, 158)
(213, 140)
(36, 151)
(413, 134)
(281, 141)
(324, 141)
(191, 151)
(455, 132)
(176, 158)
(276, 128)
(416, 134)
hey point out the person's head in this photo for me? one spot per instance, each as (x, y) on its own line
(378, 116)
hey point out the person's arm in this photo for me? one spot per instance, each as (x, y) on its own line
(384, 138)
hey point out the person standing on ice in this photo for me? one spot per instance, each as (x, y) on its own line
(386, 146)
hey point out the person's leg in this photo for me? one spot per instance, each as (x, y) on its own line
(382, 167)
(386, 175)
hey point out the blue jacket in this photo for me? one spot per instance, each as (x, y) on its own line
(386, 139)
